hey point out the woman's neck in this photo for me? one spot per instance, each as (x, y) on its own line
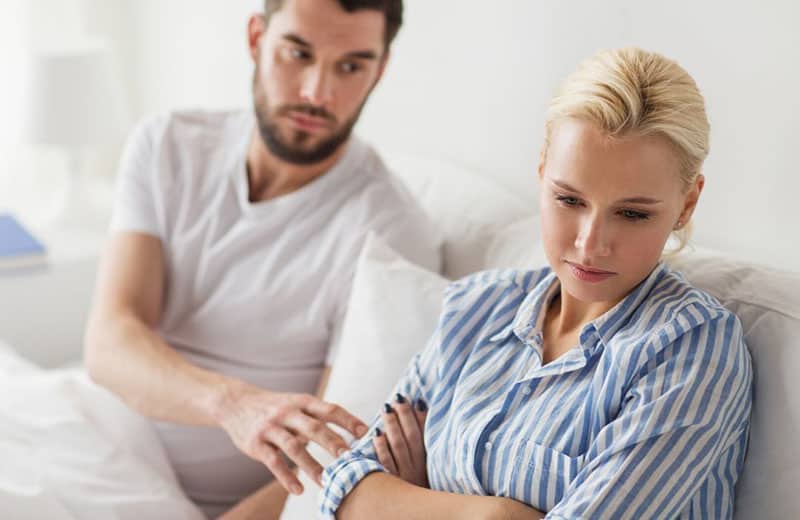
(564, 319)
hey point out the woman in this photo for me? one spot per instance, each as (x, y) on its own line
(603, 386)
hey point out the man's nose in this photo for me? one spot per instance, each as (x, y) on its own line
(317, 87)
(594, 237)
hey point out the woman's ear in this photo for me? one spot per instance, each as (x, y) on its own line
(256, 25)
(692, 196)
(540, 169)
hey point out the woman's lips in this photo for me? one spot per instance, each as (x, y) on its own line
(589, 274)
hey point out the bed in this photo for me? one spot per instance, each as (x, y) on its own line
(73, 450)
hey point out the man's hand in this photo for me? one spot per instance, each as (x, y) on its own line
(401, 448)
(268, 426)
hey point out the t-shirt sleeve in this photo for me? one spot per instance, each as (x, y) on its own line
(414, 236)
(138, 205)
(685, 420)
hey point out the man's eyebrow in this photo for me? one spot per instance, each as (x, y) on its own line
(631, 200)
(359, 55)
(296, 39)
(363, 55)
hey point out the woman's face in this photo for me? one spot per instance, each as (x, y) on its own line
(607, 208)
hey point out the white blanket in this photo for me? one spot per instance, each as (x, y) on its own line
(71, 450)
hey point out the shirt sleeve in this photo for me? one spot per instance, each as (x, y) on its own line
(137, 205)
(343, 474)
(687, 409)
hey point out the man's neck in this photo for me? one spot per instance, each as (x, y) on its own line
(270, 177)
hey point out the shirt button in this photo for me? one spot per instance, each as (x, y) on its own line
(488, 446)
(526, 390)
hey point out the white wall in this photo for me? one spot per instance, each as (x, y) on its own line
(470, 80)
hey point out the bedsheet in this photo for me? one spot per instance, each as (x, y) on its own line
(69, 449)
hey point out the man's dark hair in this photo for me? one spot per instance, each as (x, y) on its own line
(392, 10)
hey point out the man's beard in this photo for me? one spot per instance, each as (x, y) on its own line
(292, 150)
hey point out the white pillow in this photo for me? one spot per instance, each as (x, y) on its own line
(468, 205)
(393, 310)
(70, 449)
(767, 302)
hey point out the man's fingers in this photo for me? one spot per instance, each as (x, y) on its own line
(397, 441)
(333, 413)
(295, 449)
(384, 453)
(271, 458)
(316, 431)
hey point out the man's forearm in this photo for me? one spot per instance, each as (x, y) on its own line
(387, 497)
(130, 359)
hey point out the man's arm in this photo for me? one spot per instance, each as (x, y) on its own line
(124, 353)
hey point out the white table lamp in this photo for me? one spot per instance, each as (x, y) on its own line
(73, 102)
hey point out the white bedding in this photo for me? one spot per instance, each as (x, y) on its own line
(71, 450)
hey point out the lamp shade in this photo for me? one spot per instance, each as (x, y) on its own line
(72, 100)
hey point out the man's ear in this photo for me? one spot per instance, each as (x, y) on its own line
(256, 25)
(382, 65)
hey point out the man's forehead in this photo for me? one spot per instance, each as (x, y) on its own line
(325, 24)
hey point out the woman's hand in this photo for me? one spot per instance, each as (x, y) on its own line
(401, 448)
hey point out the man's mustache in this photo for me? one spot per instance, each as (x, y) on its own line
(310, 110)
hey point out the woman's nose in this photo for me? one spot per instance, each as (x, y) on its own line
(593, 238)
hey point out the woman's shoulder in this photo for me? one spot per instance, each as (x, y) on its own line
(676, 297)
(674, 308)
(497, 284)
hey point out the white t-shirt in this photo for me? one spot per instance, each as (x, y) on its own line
(253, 290)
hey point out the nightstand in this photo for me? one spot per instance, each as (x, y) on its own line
(43, 309)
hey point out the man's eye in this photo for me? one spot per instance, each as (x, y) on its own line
(350, 67)
(299, 54)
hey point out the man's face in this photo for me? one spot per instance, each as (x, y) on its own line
(315, 66)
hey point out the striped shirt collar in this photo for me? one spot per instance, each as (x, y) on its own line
(528, 322)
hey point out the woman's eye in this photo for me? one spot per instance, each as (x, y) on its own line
(567, 201)
(634, 215)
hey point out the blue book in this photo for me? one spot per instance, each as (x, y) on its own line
(18, 248)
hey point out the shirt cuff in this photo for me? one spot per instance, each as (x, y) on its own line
(339, 479)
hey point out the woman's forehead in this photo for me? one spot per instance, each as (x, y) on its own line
(582, 155)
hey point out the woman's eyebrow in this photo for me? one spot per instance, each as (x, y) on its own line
(628, 200)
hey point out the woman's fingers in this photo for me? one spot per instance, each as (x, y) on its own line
(397, 441)
(384, 453)
(411, 430)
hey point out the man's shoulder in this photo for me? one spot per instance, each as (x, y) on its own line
(376, 200)
(379, 188)
(192, 126)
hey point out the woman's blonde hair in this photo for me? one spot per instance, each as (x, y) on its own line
(631, 91)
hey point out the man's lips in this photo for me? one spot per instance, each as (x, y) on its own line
(306, 122)
(589, 274)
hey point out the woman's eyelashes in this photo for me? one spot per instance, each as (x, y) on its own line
(632, 215)
(566, 200)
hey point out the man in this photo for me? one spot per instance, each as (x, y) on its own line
(235, 239)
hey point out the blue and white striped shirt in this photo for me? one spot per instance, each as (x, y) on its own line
(646, 418)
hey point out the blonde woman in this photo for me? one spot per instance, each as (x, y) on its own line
(602, 386)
